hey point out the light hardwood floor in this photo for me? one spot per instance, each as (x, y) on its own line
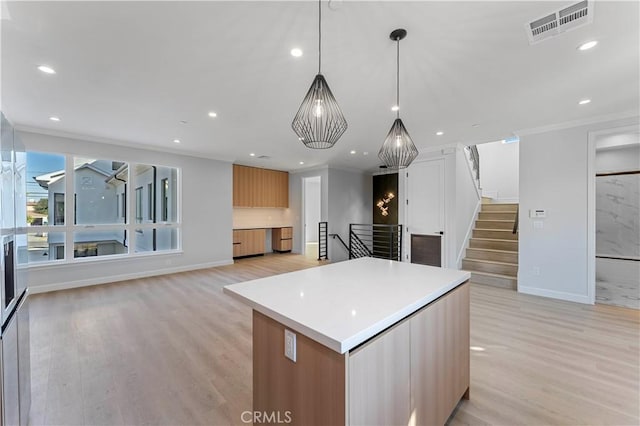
(174, 350)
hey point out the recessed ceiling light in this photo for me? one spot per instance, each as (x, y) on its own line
(395, 108)
(439, 133)
(302, 162)
(54, 118)
(584, 102)
(212, 114)
(252, 154)
(588, 45)
(365, 153)
(352, 152)
(296, 52)
(46, 69)
(176, 141)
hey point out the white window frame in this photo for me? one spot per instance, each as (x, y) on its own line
(130, 225)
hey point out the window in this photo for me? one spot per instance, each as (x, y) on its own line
(99, 224)
(45, 209)
(161, 207)
(139, 204)
(98, 186)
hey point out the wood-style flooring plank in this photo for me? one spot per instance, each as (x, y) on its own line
(174, 350)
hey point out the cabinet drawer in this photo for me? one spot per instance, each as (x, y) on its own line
(286, 233)
(286, 245)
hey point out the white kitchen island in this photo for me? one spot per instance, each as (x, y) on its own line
(377, 342)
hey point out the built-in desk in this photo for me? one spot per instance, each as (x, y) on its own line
(250, 241)
(376, 342)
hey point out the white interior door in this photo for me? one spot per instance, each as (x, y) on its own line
(426, 202)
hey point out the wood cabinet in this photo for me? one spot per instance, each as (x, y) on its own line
(429, 352)
(255, 187)
(248, 242)
(282, 239)
(412, 373)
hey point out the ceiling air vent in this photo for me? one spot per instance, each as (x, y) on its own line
(264, 157)
(561, 20)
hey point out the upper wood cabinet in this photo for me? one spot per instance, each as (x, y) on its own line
(254, 187)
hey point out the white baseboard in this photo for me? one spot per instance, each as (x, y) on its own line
(570, 297)
(124, 277)
(505, 200)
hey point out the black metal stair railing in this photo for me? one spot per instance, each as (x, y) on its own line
(367, 240)
(381, 241)
(323, 233)
(357, 247)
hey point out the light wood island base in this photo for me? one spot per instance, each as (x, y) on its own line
(414, 372)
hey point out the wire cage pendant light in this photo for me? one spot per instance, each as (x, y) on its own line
(398, 149)
(319, 122)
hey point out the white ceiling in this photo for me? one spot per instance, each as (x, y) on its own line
(130, 71)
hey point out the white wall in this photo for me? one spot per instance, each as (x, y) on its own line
(554, 175)
(499, 171)
(350, 199)
(313, 208)
(206, 220)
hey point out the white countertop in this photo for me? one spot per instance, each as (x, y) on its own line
(343, 304)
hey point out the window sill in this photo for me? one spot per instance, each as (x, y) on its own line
(104, 259)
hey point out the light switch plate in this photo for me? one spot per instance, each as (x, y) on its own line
(538, 224)
(537, 213)
(290, 345)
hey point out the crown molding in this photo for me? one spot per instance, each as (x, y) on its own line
(578, 123)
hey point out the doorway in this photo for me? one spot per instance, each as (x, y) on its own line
(311, 213)
(425, 213)
(614, 217)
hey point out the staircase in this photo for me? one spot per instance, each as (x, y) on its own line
(492, 256)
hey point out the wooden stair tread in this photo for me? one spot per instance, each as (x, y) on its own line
(490, 239)
(494, 250)
(491, 274)
(495, 220)
(494, 262)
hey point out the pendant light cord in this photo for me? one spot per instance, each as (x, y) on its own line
(398, 77)
(319, 35)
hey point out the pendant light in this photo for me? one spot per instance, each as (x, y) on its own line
(398, 150)
(319, 122)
